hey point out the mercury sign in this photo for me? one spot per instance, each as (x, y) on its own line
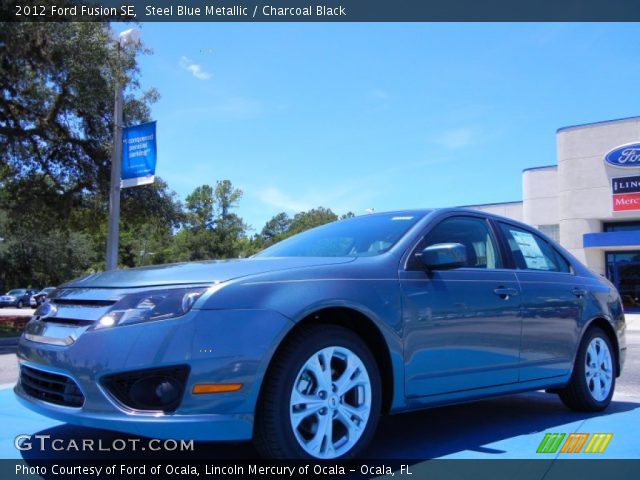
(138, 155)
(625, 156)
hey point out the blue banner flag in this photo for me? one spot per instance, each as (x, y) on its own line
(139, 155)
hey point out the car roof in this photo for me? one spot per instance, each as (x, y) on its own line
(413, 211)
(463, 210)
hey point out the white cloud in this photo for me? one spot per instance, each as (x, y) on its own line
(456, 138)
(354, 197)
(195, 69)
(274, 197)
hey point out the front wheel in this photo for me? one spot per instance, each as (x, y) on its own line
(594, 375)
(20, 304)
(321, 399)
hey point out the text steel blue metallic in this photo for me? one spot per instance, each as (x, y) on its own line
(303, 346)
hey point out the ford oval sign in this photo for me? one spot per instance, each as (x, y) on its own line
(626, 156)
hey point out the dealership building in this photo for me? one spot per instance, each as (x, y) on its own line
(590, 200)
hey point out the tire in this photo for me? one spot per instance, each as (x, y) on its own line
(591, 388)
(322, 406)
(19, 304)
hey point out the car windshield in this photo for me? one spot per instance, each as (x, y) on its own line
(16, 292)
(367, 235)
(47, 290)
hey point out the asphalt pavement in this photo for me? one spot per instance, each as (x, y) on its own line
(510, 427)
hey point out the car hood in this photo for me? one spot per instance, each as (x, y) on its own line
(198, 272)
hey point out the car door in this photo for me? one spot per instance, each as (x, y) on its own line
(461, 326)
(552, 303)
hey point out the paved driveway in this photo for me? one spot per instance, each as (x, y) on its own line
(508, 427)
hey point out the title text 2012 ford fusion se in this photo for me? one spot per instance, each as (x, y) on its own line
(302, 347)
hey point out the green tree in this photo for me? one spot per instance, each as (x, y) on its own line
(229, 228)
(275, 228)
(150, 215)
(57, 83)
(226, 197)
(200, 208)
(56, 102)
(212, 229)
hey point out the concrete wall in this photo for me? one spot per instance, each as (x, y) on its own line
(510, 210)
(540, 196)
(584, 182)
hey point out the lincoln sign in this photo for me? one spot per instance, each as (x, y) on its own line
(626, 193)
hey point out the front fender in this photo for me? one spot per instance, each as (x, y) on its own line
(377, 299)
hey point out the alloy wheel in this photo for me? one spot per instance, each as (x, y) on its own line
(330, 402)
(598, 369)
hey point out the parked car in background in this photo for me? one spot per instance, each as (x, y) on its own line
(303, 346)
(18, 297)
(40, 297)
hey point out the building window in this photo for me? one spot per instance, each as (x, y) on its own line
(623, 269)
(551, 231)
(621, 226)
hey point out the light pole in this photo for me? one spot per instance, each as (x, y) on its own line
(128, 37)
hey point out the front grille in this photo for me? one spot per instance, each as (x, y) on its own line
(71, 302)
(68, 321)
(51, 387)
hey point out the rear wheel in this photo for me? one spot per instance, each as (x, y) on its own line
(594, 375)
(20, 304)
(321, 398)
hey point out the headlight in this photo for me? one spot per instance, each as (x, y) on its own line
(149, 306)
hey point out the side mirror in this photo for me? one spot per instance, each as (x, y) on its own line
(444, 256)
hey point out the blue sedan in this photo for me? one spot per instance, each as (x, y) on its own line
(18, 297)
(302, 347)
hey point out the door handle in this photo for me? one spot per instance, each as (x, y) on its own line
(579, 292)
(505, 293)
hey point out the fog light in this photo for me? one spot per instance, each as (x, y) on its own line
(153, 390)
(167, 392)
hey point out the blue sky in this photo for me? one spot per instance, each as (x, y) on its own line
(383, 116)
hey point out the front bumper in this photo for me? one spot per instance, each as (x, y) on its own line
(219, 346)
(202, 427)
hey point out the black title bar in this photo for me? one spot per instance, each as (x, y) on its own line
(321, 10)
(505, 469)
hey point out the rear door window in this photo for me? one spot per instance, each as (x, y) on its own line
(531, 252)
